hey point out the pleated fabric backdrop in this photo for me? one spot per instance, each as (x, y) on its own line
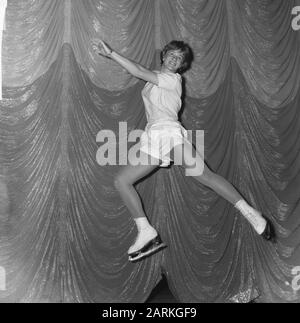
(64, 231)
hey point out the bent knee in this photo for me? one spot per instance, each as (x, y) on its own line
(118, 182)
(121, 181)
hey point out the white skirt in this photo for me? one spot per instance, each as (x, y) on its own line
(160, 138)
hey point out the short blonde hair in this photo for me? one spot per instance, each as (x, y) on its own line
(184, 48)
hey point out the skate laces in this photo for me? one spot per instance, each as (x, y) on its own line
(257, 220)
(252, 215)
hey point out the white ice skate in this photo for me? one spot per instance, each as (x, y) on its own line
(147, 243)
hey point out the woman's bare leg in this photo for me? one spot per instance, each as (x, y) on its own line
(195, 166)
(124, 182)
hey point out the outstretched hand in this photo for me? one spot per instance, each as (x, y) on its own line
(101, 48)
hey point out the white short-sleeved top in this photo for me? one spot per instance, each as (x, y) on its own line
(163, 101)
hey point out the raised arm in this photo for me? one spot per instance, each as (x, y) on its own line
(133, 68)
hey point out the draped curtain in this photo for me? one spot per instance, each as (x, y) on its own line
(64, 231)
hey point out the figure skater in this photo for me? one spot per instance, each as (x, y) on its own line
(165, 137)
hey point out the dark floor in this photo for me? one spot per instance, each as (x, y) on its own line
(161, 293)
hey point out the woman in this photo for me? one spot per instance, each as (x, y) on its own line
(165, 137)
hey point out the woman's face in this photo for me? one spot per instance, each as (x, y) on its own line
(173, 60)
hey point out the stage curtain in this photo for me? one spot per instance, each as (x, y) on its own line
(64, 231)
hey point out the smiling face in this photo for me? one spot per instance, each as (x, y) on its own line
(172, 60)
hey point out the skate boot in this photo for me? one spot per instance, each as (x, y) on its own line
(269, 232)
(261, 225)
(148, 242)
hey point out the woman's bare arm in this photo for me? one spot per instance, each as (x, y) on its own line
(133, 68)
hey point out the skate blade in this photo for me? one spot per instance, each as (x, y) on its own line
(143, 255)
(149, 245)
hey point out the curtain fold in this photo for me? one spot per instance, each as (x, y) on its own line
(64, 231)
